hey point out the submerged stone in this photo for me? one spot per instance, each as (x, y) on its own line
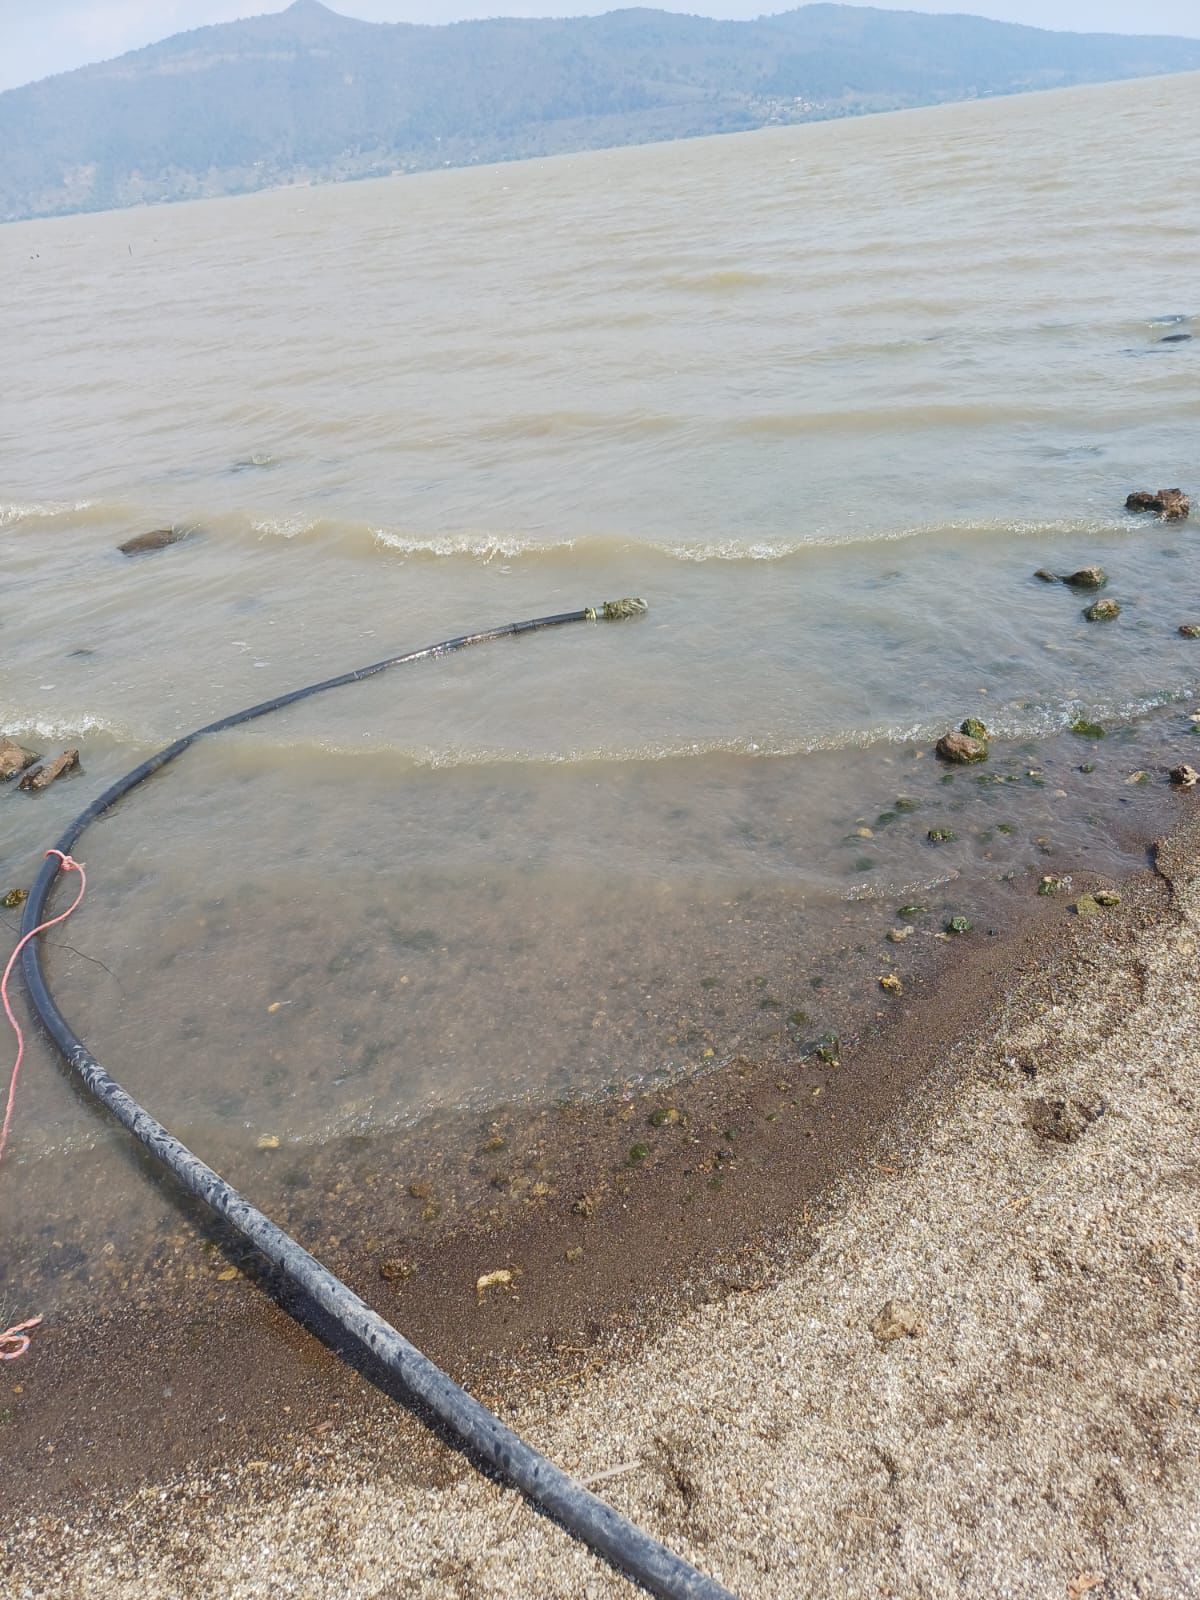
(1184, 777)
(1103, 611)
(157, 539)
(941, 835)
(958, 925)
(961, 748)
(1190, 630)
(1086, 729)
(14, 898)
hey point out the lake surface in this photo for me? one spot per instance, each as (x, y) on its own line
(825, 396)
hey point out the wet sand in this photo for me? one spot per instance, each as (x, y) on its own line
(1015, 1158)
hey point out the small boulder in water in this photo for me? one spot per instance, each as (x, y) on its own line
(14, 758)
(43, 777)
(1190, 630)
(962, 748)
(1103, 611)
(1086, 578)
(1184, 777)
(157, 539)
(1172, 505)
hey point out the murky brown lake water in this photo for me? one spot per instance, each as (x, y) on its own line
(825, 396)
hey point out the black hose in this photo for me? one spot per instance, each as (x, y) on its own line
(583, 1514)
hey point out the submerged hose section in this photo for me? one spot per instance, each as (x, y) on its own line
(583, 1514)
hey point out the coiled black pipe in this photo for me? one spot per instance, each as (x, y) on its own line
(583, 1514)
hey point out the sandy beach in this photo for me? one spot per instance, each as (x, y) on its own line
(1029, 1218)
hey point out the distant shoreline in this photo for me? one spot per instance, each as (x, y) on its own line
(310, 97)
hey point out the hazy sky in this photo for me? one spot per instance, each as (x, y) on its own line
(38, 37)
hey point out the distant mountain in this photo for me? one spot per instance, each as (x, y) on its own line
(308, 95)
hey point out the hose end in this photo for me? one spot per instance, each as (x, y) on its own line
(615, 610)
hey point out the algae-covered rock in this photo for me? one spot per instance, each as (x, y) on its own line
(1107, 897)
(14, 758)
(974, 729)
(1190, 630)
(14, 898)
(941, 835)
(958, 925)
(1103, 611)
(898, 935)
(1087, 906)
(1086, 729)
(961, 748)
(913, 911)
(1051, 885)
(891, 983)
(664, 1117)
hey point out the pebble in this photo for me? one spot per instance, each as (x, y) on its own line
(896, 1320)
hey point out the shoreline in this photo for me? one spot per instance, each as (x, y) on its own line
(208, 1400)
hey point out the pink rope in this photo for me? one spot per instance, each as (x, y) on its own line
(16, 1336)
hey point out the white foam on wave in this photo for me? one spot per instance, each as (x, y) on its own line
(23, 724)
(39, 510)
(282, 527)
(483, 546)
(487, 547)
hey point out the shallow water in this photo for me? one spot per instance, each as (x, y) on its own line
(826, 396)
